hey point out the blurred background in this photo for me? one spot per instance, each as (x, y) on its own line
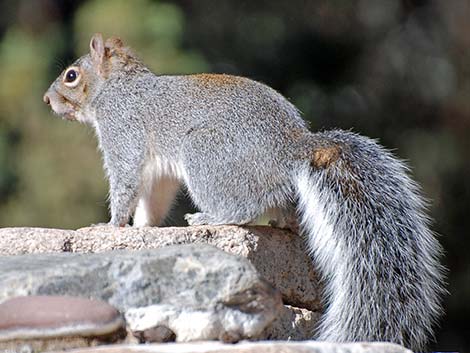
(396, 70)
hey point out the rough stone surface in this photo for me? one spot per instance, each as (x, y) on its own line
(32, 317)
(197, 291)
(56, 344)
(293, 324)
(257, 347)
(155, 334)
(279, 256)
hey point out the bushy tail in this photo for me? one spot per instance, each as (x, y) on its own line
(370, 240)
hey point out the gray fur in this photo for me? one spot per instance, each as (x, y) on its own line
(241, 149)
(380, 262)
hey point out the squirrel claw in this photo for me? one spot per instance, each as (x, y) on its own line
(196, 219)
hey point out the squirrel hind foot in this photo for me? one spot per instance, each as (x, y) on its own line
(201, 218)
(197, 219)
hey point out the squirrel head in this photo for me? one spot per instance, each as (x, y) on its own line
(71, 94)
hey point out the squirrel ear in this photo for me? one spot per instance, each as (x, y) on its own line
(97, 49)
(114, 43)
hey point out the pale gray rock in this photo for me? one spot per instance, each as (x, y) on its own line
(253, 347)
(279, 256)
(196, 291)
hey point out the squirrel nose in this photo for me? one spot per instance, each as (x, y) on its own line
(46, 99)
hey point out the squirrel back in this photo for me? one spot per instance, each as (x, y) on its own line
(241, 149)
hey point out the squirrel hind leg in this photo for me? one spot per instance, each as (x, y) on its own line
(155, 202)
(233, 187)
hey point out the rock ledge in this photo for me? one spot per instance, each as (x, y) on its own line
(254, 347)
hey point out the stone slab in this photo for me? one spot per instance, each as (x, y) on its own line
(278, 255)
(197, 291)
(253, 347)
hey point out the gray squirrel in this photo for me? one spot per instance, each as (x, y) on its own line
(242, 150)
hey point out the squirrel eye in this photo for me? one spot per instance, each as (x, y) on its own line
(71, 77)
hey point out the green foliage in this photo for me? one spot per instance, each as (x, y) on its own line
(52, 176)
(154, 29)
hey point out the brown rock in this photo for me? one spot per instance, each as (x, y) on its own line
(34, 317)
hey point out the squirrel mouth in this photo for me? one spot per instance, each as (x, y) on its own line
(65, 115)
(69, 116)
(61, 105)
